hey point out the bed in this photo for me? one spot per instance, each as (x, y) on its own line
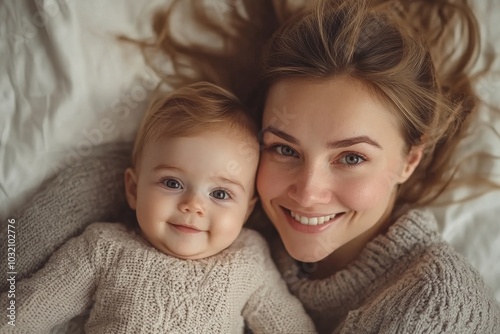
(69, 86)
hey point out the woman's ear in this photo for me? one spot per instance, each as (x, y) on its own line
(131, 187)
(412, 160)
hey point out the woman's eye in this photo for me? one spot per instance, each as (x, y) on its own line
(285, 150)
(352, 159)
(220, 194)
(172, 183)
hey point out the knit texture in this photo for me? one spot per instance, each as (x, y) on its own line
(134, 288)
(90, 191)
(406, 281)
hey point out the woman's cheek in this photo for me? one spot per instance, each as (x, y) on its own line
(268, 181)
(365, 193)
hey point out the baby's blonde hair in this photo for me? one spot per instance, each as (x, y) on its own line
(192, 110)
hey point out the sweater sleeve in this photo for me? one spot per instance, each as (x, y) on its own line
(272, 308)
(63, 288)
(88, 192)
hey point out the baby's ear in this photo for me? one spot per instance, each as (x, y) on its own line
(131, 187)
(251, 205)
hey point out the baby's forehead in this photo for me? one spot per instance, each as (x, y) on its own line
(245, 152)
(233, 150)
(242, 163)
(244, 142)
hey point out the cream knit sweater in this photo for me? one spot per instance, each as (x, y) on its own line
(406, 281)
(134, 288)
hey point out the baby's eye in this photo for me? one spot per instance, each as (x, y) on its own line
(352, 159)
(220, 194)
(172, 183)
(285, 150)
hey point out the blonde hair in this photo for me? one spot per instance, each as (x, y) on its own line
(191, 110)
(405, 51)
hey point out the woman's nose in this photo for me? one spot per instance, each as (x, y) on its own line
(311, 186)
(191, 203)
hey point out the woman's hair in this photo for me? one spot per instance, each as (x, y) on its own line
(192, 110)
(387, 46)
(415, 55)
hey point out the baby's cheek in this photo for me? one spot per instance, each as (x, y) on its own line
(151, 206)
(367, 192)
(225, 229)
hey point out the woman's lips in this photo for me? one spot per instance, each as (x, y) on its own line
(314, 224)
(314, 220)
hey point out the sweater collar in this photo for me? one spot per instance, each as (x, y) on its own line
(410, 234)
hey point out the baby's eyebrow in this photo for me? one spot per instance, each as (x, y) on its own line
(161, 167)
(223, 179)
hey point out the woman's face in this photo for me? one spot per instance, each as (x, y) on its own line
(333, 157)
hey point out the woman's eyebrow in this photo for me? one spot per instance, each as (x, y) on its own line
(330, 145)
(353, 141)
(280, 134)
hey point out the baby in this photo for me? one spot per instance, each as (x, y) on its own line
(189, 266)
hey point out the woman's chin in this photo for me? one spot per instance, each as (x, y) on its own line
(300, 253)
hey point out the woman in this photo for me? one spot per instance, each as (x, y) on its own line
(370, 128)
(362, 109)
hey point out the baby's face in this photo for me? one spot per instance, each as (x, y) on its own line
(193, 194)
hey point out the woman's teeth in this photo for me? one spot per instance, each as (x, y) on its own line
(311, 220)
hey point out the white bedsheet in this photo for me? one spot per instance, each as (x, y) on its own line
(67, 85)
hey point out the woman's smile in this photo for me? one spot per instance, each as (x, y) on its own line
(313, 219)
(310, 222)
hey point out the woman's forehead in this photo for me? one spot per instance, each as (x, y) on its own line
(334, 103)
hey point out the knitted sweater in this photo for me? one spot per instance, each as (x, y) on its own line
(406, 281)
(85, 192)
(385, 288)
(134, 288)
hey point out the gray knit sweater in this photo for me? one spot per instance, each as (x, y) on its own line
(134, 288)
(406, 281)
